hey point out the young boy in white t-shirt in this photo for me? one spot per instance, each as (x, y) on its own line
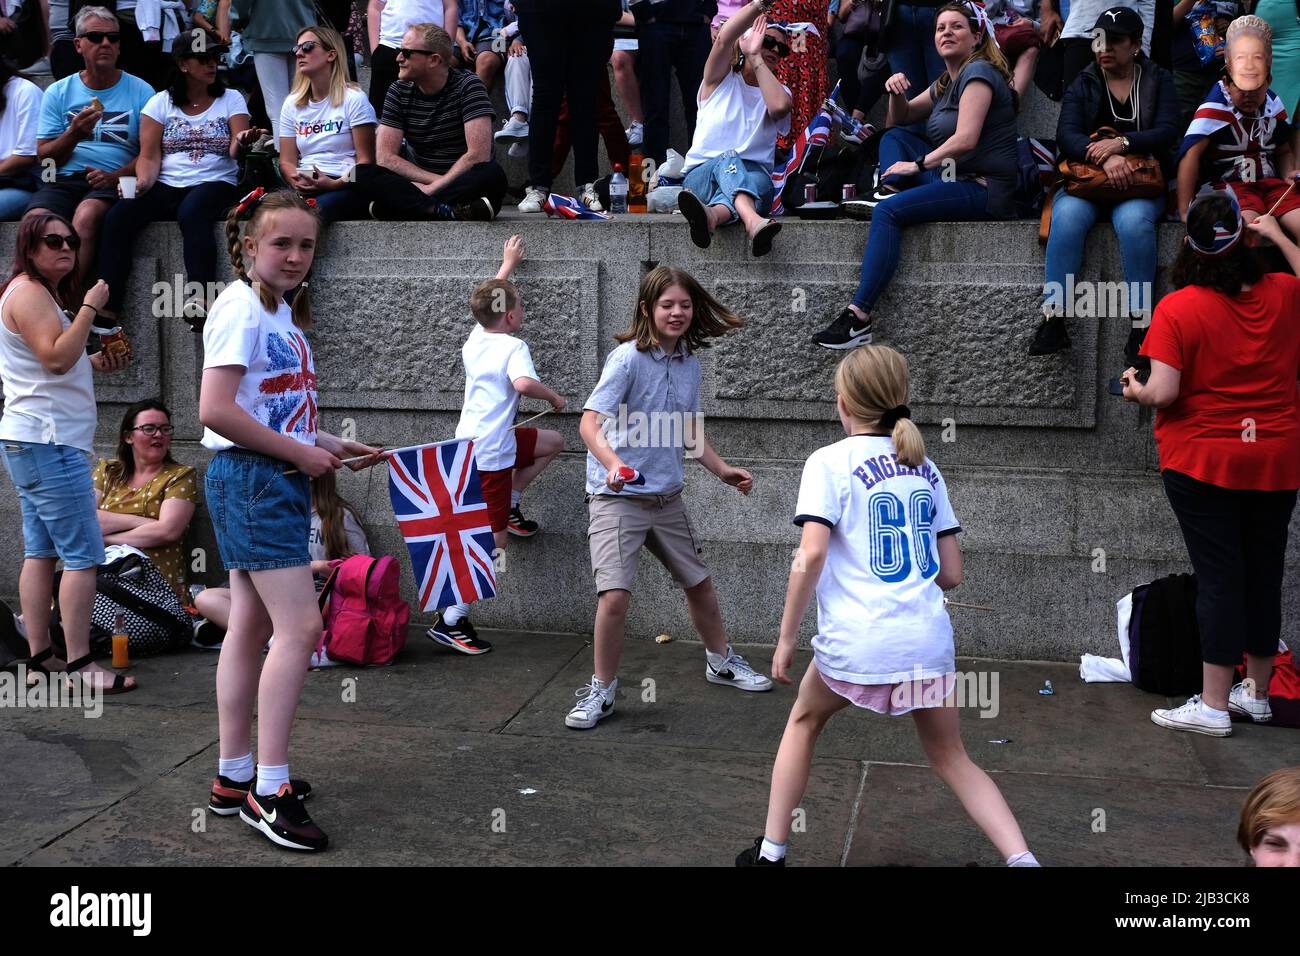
(498, 369)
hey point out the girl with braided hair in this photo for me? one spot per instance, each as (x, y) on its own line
(257, 403)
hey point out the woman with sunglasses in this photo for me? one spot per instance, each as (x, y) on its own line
(145, 498)
(190, 135)
(327, 126)
(47, 436)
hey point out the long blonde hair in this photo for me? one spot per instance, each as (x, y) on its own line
(985, 49)
(872, 381)
(339, 83)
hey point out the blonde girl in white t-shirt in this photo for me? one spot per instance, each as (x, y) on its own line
(257, 403)
(880, 547)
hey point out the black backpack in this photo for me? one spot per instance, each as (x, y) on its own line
(1164, 640)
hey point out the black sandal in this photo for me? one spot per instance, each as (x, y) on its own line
(36, 665)
(693, 211)
(119, 685)
(762, 244)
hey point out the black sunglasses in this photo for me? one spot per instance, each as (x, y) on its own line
(306, 46)
(56, 241)
(151, 429)
(98, 36)
(776, 46)
(404, 52)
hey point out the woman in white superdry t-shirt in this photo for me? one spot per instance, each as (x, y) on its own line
(327, 127)
(47, 435)
(190, 134)
(880, 546)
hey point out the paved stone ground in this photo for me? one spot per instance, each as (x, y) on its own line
(437, 748)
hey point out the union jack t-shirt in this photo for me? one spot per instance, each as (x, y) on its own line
(278, 388)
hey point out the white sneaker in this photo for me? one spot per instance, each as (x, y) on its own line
(518, 150)
(533, 201)
(1192, 716)
(589, 198)
(596, 704)
(513, 129)
(635, 134)
(735, 670)
(1239, 702)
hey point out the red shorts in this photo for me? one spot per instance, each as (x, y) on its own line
(496, 484)
(1261, 194)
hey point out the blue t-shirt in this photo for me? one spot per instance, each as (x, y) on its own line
(116, 140)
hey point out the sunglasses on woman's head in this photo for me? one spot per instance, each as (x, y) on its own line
(98, 36)
(776, 46)
(306, 46)
(152, 429)
(56, 241)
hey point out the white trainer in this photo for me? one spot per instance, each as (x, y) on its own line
(532, 202)
(513, 129)
(596, 704)
(735, 671)
(1240, 702)
(589, 198)
(1192, 716)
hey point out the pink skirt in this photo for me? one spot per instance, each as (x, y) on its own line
(894, 699)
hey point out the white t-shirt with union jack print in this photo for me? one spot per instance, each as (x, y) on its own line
(279, 384)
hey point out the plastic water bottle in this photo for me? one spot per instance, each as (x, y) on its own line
(618, 190)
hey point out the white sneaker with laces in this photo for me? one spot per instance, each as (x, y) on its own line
(513, 129)
(596, 704)
(735, 671)
(589, 198)
(1192, 716)
(1240, 702)
(532, 202)
(635, 134)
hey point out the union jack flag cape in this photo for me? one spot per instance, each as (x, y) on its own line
(439, 507)
(1254, 139)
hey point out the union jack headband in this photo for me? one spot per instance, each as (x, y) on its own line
(981, 17)
(1226, 233)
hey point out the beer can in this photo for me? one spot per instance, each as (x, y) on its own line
(850, 191)
(810, 193)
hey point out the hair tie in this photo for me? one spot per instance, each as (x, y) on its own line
(891, 417)
(249, 201)
(312, 202)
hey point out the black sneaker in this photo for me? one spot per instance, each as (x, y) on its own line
(1050, 337)
(207, 636)
(476, 210)
(846, 332)
(519, 526)
(229, 795)
(459, 637)
(283, 820)
(750, 856)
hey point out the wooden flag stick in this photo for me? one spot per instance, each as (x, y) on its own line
(1289, 187)
(973, 607)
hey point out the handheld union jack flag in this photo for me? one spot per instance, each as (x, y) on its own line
(438, 503)
(817, 134)
(566, 207)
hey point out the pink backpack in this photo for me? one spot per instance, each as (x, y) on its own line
(365, 617)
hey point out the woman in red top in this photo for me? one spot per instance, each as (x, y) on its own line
(1225, 353)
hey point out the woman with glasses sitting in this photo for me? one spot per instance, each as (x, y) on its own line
(145, 499)
(743, 108)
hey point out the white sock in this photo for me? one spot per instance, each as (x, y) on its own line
(1023, 859)
(600, 685)
(716, 659)
(271, 779)
(239, 769)
(514, 498)
(455, 614)
(1211, 711)
(772, 851)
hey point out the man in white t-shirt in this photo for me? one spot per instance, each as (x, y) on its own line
(387, 21)
(498, 369)
(741, 113)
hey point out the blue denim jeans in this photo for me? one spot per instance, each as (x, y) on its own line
(716, 182)
(930, 200)
(1134, 221)
(911, 47)
(57, 498)
(13, 203)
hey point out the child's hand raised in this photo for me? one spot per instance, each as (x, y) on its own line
(783, 661)
(512, 253)
(738, 478)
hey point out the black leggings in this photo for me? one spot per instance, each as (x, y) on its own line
(1237, 542)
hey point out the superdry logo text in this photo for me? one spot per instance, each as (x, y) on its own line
(76, 909)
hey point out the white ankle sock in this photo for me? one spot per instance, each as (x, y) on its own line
(240, 769)
(455, 614)
(772, 851)
(716, 659)
(514, 498)
(1023, 859)
(271, 779)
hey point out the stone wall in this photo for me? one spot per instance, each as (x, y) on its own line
(1044, 467)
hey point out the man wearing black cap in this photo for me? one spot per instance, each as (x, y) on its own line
(1088, 16)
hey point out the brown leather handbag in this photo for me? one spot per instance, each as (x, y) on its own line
(1090, 182)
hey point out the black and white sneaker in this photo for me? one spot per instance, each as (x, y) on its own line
(597, 703)
(519, 526)
(750, 856)
(207, 636)
(1050, 337)
(283, 820)
(735, 671)
(478, 209)
(846, 332)
(229, 795)
(459, 637)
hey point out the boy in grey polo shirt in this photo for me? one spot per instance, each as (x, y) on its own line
(639, 423)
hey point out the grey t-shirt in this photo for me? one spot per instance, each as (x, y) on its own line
(994, 156)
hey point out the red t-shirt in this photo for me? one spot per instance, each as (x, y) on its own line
(1236, 421)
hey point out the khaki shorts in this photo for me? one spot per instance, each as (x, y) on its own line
(620, 525)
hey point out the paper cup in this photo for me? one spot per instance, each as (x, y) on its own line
(127, 185)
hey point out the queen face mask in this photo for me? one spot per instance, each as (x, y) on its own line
(1247, 62)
